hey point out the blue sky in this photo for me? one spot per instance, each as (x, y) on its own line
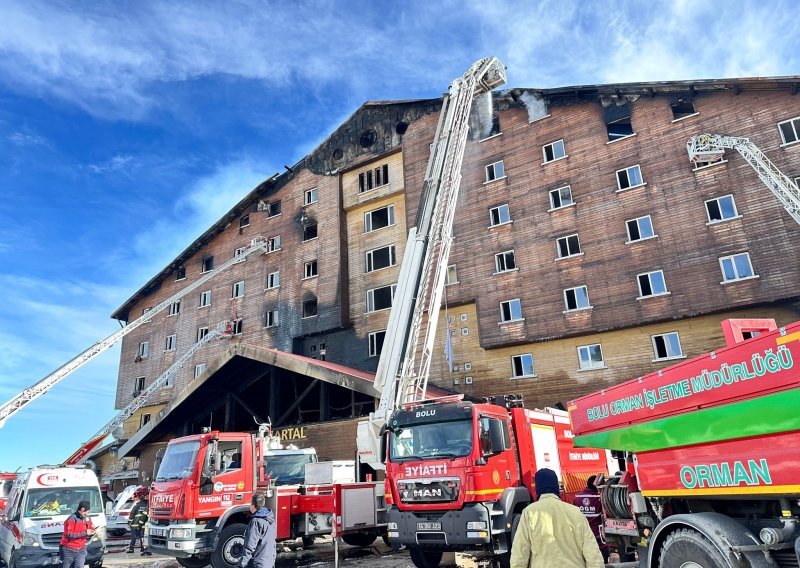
(127, 128)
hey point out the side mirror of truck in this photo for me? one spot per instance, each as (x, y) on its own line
(492, 439)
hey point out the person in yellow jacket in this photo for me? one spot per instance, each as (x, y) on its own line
(553, 533)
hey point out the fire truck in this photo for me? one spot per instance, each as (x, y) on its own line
(199, 501)
(711, 448)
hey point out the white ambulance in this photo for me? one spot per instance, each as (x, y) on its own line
(41, 500)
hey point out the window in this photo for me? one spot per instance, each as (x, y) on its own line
(273, 280)
(144, 419)
(244, 221)
(380, 258)
(376, 343)
(700, 165)
(495, 171)
(180, 274)
(619, 129)
(452, 276)
(310, 196)
(174, 308)
(568, 246)
(790, 130)
(373, 178)
(310, 308)
(499, 215)
(144, 349)
(561, 197)
(721, 209)
(207, 264)
(640, 229)
(522, 366)
(237, 289)
(510, 310)
(378, 219)
(239, 251)
(652, 284)
(205, 299)
(310, 269)
(146, 310)
(138, 386)
(236, 329)
(505, 261)
(201, 333)
(310, 231)
(169, 344)
(736, 267)
(199, 369)
(682, 109)
(274, 208)
(667, 346)
(590, 357)
(271, 318)
(168, 383)
(553, 151)
(274, 243)
(629, 177)
(576, 298)
(380, 298)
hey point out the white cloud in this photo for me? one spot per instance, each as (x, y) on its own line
(19, 138)
(117, 163)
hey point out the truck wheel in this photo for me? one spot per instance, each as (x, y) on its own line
(426, 558)
(505, 559)
(193, 562)
(308, 541)
(359, 539)
(687, 548)
(229, 547)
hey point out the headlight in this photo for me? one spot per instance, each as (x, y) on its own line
(30, 539)
(476, 525)
(391, 526)
(180, 533)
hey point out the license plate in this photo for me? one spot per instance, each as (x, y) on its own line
(158, 532)
(429, 526)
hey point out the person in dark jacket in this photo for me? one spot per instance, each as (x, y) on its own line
(78, 531)
(588, 501)
(137, 521)
(259, 538)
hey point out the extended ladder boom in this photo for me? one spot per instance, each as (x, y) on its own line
(32, 393)
(711, 147)
(420, 286)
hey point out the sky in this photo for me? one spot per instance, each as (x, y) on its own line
(127, 128)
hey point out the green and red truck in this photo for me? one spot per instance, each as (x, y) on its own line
(711, 450)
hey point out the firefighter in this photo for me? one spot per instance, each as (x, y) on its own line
(553, 533)
(588, 501)
(137, 521)
(78, 530)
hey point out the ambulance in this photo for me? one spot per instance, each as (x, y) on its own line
(40, 501)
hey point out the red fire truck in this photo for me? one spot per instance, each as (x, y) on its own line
(712, 454)
(199, 501)
(459, 474)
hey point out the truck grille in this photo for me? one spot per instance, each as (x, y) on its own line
(162, 512)
(51, 539)
(428, 491)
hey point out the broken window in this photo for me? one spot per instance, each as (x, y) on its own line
(510, 310)
(310, 308)
(376, 343)
(499, 215)
(274, 243)
(619, 129)
(180, 274)
(171, 342)
(237, 289)
(201, 333)
(310, 269)
(205, 299)
(629, 177)
(721, 209)
(310, 231)
(380, 298)
(640, 229)
(373, 178)
(273, 280)
(505, 261)
(378, 219)
(522, 366)
(383, 257)
(271, 318)
(495, 171)
(652, 284)
(553, 151)
(682, 109)
(236, 328)
(310, 196)
(144, 349)
(667, 346)
(274, 208)
(568, 246)
(144, 419)
(244, 221)
(207, 264)
(138, 386)
(576, 298)
(174, 308)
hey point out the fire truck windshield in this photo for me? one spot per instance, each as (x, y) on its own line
(178, 462)
(433, 440)
(288, 469)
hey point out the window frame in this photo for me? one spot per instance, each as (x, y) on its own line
(368, 225)
(499, 209)
(207, 264)
(372, 347)
(138, 385)
(501, 258)
(566, 239)
(369, 259)
(273, 280)
(174, 309)
(274, 244)
(557, 190)
(237, 289)
(494, 176)
(201, 367)
(577, 307)
(310, 266)
(511, 303)
(552, 146)
(244, 221)
(204, 295)
(309, 196)
(171, 342)
(722, 219)
(274, 208)
(667, 357)
(143, 351)
(271, 318)
(795, 124)
(641, 296)
(239, 251)
(631, 240)
(202, 332)
(628, 177)
(236, 328)
(447, 280)
(180, 273)
(592, 366)
(306, 304)
(616, 137)
(371, 298)
(731, 258)
(523, 375)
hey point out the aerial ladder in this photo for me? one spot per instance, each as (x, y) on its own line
(711, 147)
(403, 368)
(223, 330)
(33, 392)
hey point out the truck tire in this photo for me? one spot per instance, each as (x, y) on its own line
(194, 561)
(308, 541)
(359, 539)
(229, 547)
(505, 559)
(687, 548)
(425, 558)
